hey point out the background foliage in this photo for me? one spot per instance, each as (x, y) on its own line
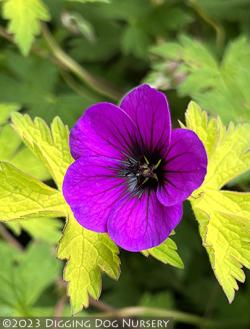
(58, 57)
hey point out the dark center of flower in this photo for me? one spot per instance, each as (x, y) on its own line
(148, 170)
(143, 173)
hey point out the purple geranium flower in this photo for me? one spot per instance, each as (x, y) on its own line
(132, 172)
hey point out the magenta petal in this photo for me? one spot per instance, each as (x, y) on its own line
(91, 189)
(185, 168)
(104, 130)
(149, 109)
(137, 224)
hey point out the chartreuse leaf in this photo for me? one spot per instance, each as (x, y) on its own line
(223, 216)
(87, 252)
(11, 149)
(22, 275)
(22, 196)
(227, 147)
(49, 145)
(25, 17)
(166, 253)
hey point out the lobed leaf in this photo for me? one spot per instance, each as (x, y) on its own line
(25, 17)
(223, 216)
(218, 86)
(23, 196)
(227, 148)
(87, 253)
(166, 253)
(49, 145)
(22, 275)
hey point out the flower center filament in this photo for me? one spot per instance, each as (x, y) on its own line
(142, 174)
(148, 170)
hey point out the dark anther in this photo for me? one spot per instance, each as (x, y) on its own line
(141, 173)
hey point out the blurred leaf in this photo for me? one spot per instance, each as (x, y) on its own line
(39, 95)
(22, 275)
(23, 196)
(166, 253)
(169, 17)
(19, 85)
(87, 253)
(49, 311)
(135, 41)
(24, 16)
(163, 300)
(219, 87)
(103, 47)
(223, 216)
(84, 1)
(233, 10)
(44, 229)
(129, 10)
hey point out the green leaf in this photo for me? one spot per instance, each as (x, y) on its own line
(25, 17)
(166, 253)
(49, 145)
(161, 300)
(233, 10)
(85, 1)
(135, 41)
(218, 86)
(223, 216)
(41, 97)
(44, 229)
(23, 196)
(87, 253)
(22, 275)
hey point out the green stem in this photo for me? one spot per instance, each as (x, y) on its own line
(176, 315)
(75, 86)
(97, 84)
(220, 34)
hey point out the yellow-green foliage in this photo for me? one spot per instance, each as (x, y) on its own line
(223, 216)
(24, 17)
